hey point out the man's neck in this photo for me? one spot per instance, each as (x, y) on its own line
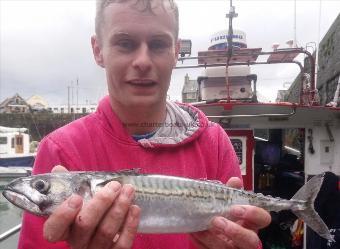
(140, 120)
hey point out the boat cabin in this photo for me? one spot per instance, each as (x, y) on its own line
(13, 141)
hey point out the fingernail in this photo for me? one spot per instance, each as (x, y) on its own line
(114, 186)
(237, 211)
(115, 238)
(128, 190)
(220, 224)
(75, 202)
(135, 210)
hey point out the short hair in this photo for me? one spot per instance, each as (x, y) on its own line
(142, 5)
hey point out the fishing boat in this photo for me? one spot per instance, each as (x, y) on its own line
(280, 145)
(15, 147)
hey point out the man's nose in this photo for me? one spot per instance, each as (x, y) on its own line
(142, 60)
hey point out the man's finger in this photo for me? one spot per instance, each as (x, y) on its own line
(58, 224)
(234, 182)
(114, 218)
(58, 169)
(251, 217)
(239, 236)
(91, 214)
(129, 231)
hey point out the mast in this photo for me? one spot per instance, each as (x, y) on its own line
(232, 14)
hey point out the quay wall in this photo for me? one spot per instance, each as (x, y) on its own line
(38, 124)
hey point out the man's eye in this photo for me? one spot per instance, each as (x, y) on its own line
(126, 44)
(158, 45)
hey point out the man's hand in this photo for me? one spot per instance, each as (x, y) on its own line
(238, 231)
(107, 221)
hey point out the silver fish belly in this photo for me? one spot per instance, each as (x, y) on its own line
(178, 205)
(168, 204)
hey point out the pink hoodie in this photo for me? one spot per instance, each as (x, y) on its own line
(99, 142)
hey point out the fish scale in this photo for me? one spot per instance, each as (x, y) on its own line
(168, 204)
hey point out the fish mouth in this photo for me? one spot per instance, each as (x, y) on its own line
(22, 201)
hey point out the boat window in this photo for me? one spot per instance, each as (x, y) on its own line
(12, 142)
(3, 140)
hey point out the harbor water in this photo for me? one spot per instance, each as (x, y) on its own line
(10, 216)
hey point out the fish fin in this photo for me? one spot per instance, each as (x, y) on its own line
(308, 193)
(117, 176)
(210, 180)
(214, 181)
(133, 171)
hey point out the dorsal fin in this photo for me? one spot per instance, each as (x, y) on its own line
(212, 181)
(133, 171)
(117, 176)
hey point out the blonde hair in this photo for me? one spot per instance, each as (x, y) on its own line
(141, 5)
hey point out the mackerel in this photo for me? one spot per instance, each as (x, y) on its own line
(168, 204)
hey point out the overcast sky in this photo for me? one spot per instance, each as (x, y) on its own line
(45, 45)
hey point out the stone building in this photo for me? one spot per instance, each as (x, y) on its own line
(190, 90)
(15, 104)
(37, 103)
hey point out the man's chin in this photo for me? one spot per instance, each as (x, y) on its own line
(144, 104)
(138, 102)
(144, 101)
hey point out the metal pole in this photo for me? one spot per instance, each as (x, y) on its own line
(10, 232)
(318, 44)
(68, 100)
(77, 92)
(295, 42)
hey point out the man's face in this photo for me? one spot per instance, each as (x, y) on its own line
(138, 51)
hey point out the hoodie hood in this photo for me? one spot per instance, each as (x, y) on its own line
(183, 124)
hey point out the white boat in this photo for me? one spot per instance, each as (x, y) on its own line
(15, 147)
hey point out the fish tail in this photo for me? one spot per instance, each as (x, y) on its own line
(308, 193)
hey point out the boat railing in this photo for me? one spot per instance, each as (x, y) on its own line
(10, 232)
(249, 56)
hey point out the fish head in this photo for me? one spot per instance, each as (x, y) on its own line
(39, 194)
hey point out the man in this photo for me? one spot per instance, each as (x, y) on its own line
(136, 42)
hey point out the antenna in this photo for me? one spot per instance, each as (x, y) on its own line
(294, 41)
(232, 14)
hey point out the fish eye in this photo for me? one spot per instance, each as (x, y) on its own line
(41, 186)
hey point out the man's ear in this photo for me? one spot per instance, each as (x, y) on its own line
(97, 50)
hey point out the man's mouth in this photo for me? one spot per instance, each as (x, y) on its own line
(142, 83)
